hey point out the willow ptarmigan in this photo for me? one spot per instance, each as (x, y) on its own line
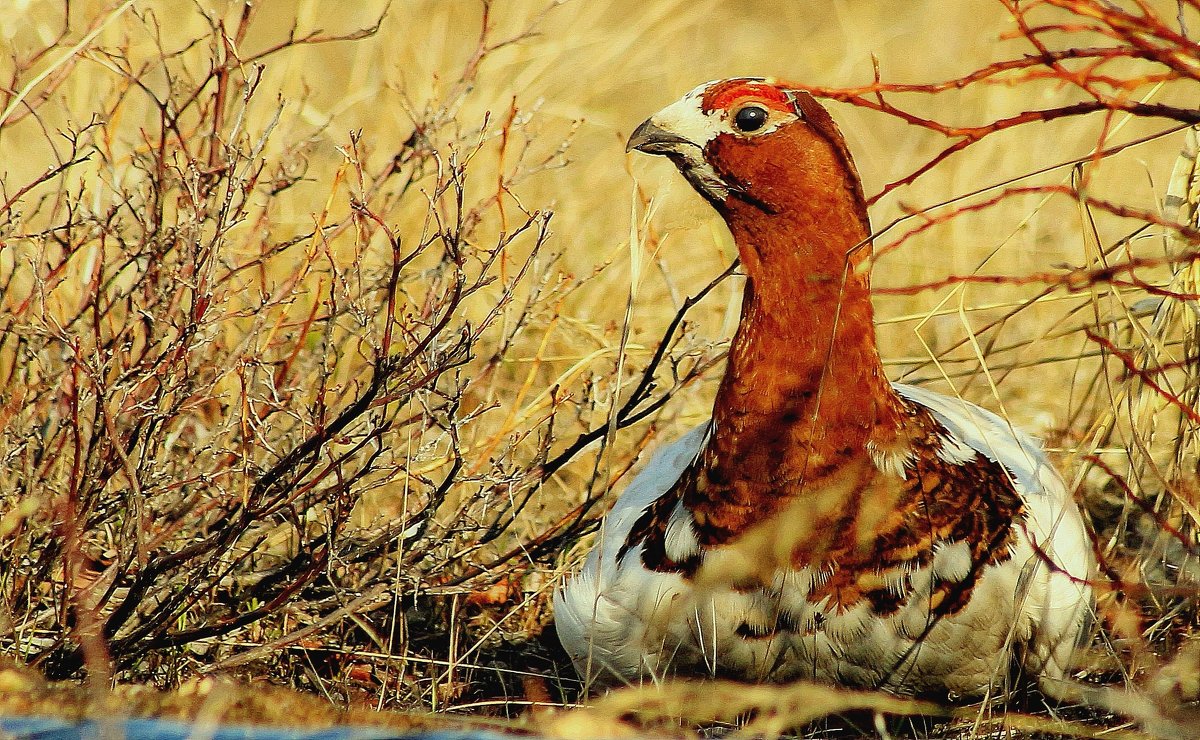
(825, 524)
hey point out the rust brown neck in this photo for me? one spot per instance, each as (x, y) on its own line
(804, 391)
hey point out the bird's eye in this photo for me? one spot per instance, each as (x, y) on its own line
(750, 118)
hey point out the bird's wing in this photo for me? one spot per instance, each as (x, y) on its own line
(1060, 565)
(656, 479)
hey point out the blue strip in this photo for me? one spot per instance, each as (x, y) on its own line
(44, 728)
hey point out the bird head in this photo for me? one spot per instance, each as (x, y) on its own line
(757, 143)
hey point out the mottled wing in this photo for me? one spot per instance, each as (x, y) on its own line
(597, 614)
(1055, 581)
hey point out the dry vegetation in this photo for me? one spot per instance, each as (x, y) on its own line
(324, 336)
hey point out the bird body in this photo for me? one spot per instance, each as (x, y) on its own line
(825, 524)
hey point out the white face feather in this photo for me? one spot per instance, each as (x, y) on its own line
(686, 119)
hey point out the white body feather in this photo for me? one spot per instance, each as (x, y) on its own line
(622, 622)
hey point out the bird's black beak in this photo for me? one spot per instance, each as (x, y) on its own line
(651, 139)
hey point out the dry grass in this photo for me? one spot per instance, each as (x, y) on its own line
(300, 379)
